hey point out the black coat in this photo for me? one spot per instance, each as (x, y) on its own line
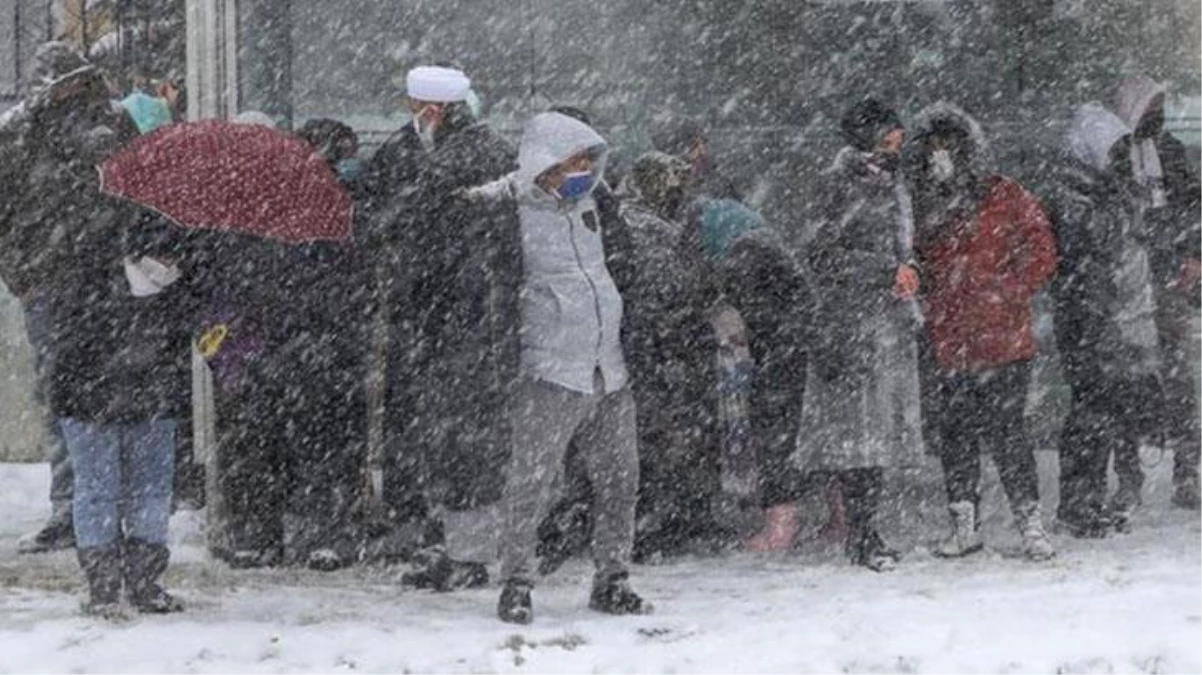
(1176, 230)
(456, 271)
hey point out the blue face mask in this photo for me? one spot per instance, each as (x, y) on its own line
(349, 169)
(576, 185)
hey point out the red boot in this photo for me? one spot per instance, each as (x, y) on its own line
(781, 524)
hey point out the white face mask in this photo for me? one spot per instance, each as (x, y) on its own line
(942, 167)
(425, 132)
(148, 276)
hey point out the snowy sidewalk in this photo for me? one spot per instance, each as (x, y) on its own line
(1129, 604)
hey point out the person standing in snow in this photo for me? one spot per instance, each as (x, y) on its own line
(1169, 194)
(986, 249)
(53, 61)
(668, 344)
(453, 326)
(1105, 316)
(862, 411)
(573, 385)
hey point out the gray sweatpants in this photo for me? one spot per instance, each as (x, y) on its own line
(546, 418)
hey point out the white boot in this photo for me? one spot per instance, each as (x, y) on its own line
(1037, 545)
(964, 539)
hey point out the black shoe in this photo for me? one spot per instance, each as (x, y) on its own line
(437, 572)
(58, 534)
(1085, 523)
(515, 605)
(144, 566)
(101, 567)
(612, 595)
(246, 559)
(325, 560)
(867, 549)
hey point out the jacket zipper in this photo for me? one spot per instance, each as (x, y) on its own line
(592, 286)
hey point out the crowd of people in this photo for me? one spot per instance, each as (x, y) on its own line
(636, 365)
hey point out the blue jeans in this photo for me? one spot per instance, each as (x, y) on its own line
(123, 480)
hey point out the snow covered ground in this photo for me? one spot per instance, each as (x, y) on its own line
(1129, 604)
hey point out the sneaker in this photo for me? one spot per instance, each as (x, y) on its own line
(612, 595)
(515, 604)
(1187, 496)
(155, 600)
(58, 534)
(1037, 545)
(437, 572)
(869, 550)
(965, 538)
(1084, 524)
(325, 560)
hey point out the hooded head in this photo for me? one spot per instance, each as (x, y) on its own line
(1093, 134)
(55, 59)
(147, 112)
(660, 182)
(551, 139)
(337, 143)
(867, 123)
(1138, 96)
(946, 143)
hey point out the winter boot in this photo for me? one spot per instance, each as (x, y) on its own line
(325, 560)
(1037, 545)
(56, 535)
(781, 524)
(144, 566)
(1186, 494)
(515, 604)
(612, 595)
(867, 549)
(1084, 523)
(436, 571)
(101, 567)
(1122, 506)
(965, 538)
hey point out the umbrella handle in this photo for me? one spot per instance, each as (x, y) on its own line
(210, 342)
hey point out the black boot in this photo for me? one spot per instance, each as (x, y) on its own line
(101, 567)
(612, 595)
(436, 571)
(515, 604)
(57, 534)
(866, 549)
(144, 566)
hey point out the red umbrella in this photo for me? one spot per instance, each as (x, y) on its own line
(241, 177)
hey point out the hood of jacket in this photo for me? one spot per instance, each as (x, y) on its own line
(1092, 133)
(943, 115)
(1135, 96)
(549, 139)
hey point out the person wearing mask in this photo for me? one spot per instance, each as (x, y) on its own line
(669, 344)
(572, 384)
(1105, 316)
(451, 353)
(861, 412)
(53, 62)
(986, 249)
(1169, 193)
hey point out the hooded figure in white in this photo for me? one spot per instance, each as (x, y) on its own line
(1105, 321)
(574, 381)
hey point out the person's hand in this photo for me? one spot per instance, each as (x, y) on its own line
(1190, 275)
(906, 284)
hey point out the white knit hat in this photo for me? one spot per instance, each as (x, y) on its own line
(435, 84)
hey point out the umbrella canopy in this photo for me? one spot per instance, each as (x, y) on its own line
(223, 176)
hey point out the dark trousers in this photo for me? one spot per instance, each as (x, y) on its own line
(1182, 422)
(40, 329)
(862, 490)
(1108, 415)
(983, 412)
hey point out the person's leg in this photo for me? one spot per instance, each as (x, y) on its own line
(58, 532)
(96, 453)
(862, 489)
(957, 421)
(544, 418)
(1085, 446)
(251, 476)
(149, 462)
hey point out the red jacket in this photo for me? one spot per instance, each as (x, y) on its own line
(980, 276)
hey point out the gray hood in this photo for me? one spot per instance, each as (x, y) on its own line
(547, 140)
(1135, 96)
(1093, 132)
